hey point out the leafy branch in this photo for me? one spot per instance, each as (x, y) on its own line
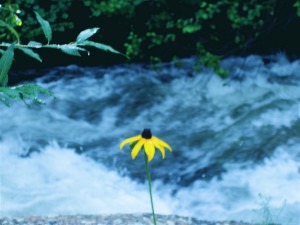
(30, 91)
(23, 92)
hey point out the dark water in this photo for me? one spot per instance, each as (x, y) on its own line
(236, 142)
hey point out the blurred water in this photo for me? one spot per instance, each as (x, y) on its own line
(234, 140)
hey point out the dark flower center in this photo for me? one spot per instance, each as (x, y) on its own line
(146, 133)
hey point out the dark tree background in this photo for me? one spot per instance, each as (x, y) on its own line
(156, 31)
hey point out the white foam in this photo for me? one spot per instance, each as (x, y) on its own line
(278, 118)
(89, 113)
(236, 196)
(58, 181)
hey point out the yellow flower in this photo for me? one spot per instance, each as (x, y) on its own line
(149, 143)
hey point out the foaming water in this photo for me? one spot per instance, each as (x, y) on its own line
(242, 194)
(58, 181)
(234, 140)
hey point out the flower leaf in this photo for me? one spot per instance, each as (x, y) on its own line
(45, 26)
(5, 64)
(84, 35)
(31, 53)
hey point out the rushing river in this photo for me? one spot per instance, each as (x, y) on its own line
(236, 142)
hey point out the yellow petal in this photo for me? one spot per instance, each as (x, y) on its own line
(161, 149)
(149, 149)
(161, 143)
(137, 147)
(130, 140)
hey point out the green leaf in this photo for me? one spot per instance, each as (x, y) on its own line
(23, 92)
(11, 29)
(1, 51)
(71, 49)
(4, 99)
(31, 92)
(192, 28)
(34, 44)
(34, 89)
(45, 26)
(102, 47)
(9, 92)
(297, 6)
(5, 64)
(221, 72)
(31, 53)
(84, 35)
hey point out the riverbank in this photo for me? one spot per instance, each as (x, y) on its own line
(114, 219)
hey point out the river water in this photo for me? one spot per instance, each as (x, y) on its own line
(236, 142)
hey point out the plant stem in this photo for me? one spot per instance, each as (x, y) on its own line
(149, 183)
(56, 46)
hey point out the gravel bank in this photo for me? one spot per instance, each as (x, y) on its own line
(116, 219)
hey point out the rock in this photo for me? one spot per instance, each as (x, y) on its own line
(115, 219)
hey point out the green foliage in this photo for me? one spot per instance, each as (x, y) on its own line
(133, 45)
(84, 35)
(11, 29)
(100, 46)
(297, 6)
(30, 91)
(23, 92)
(9, 20)
(5, 64)
(56, 13)
(210, 60)
(31, 53)
(112, 7)
(159, 30)
(45, 27)
(247, 15)
(70, 49)
(167, 25)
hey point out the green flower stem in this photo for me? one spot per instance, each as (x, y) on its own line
(149, 183)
